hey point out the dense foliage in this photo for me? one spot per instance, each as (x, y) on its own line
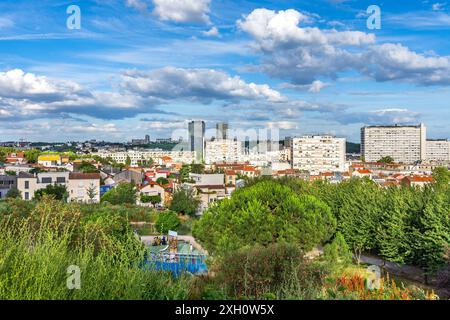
(123, 193)
(401, 224)
(37, 249)
(167, 220)
(184, 202)
(57, 191)
(265, 213)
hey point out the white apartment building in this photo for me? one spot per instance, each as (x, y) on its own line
(318, 154)
(28, 184)
(223, 151)
(438, 150)
(137, 156)
(405, 144)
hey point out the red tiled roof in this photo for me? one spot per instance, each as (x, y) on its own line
(420, 178)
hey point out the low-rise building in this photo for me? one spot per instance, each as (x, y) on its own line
(7, 182)
(84, 187)
(152, 189)
(417, 181)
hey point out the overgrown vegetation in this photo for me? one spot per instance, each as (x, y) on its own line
(38, 247)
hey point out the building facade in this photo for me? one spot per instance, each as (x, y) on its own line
(84, 187)
(438, 150)
(317, 154)
(222, 150)
(405, 144)
(222, 131)
(197, 131)
(137, 157)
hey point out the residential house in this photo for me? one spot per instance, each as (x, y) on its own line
(16, 158)
(84, 187)
(417, 181)
(151, 188)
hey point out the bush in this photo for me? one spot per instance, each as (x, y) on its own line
(184, 202)
(123, 193)
(167, 220)
(57, 191)
(276, 271)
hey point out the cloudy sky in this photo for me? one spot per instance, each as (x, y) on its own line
(139, 67)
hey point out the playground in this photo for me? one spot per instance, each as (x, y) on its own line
(177, 254)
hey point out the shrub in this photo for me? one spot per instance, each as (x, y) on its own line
(167, 220)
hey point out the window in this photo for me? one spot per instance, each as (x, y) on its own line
(27, 184)
(46, 180)
(27, 196)
(60, 180)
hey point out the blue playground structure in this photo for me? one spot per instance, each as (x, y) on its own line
(177, 264)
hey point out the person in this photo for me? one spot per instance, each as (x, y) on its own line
(163, 241)
(191, 247)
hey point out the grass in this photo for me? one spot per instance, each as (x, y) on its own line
(37, 251)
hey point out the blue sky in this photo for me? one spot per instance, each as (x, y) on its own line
(141, 67)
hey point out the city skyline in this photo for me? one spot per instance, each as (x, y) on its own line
(140, 67)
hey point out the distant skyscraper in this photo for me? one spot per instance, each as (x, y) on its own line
(147, 139)
(222, 131)
(197, 138)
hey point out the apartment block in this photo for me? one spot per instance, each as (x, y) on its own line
(222, 150)
(405, 144)
(137, 157)
(438, 150)
(318, 153)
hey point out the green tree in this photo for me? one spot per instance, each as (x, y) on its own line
(391, 231)
(57, 191)
(91, 193)
(441, 176)
(87, 167)
(184, 202)
(359, 214)
(386, 160)
(121, 194)
(13, 194)
(338, 253)
(32, 155)
(430, 236)
(197, 168)
(128, 161)
(167, 220)
(150, 199)
(184, 172)
(265, 213)
(162, 181)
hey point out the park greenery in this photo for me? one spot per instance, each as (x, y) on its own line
(40, 243)
(405, 225)
(167, 220)
(184, 202)
(258, 242)
(123, 193)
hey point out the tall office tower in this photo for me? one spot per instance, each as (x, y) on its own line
(147, 139)
(438, 150)
(222, 131)
(197, 139)
(318, 154)
(405, 144)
